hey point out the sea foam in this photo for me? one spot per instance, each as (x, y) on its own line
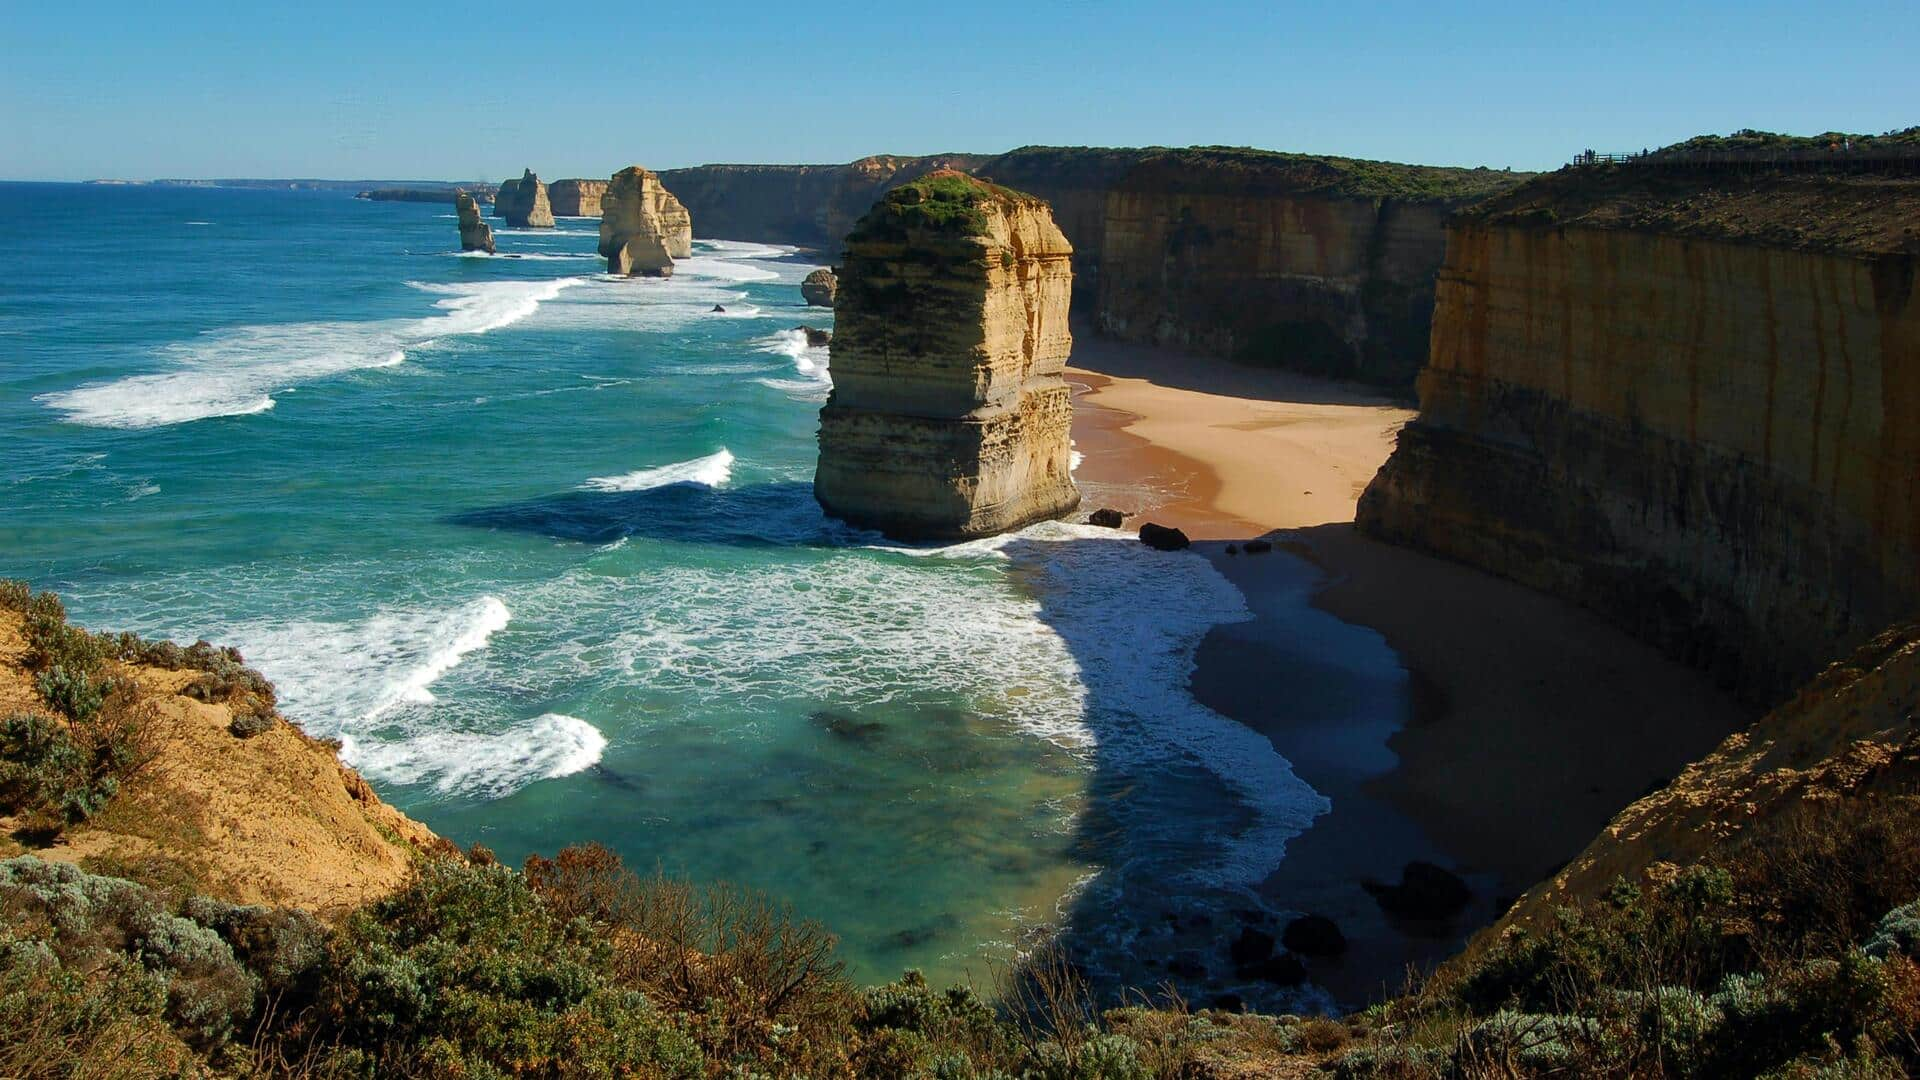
(712, 470)
(234, 372)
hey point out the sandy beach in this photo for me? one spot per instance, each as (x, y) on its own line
(1506, 755)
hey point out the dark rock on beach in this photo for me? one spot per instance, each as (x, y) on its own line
(1425, 891)
(1107, 518)
(1250, 948)
(1314, 935)
(1162, 537)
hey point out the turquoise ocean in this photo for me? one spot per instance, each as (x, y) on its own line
(539, 548)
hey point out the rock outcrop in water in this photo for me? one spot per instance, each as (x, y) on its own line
(1687, 400)
(526, 206)
(819, 287)
(506, 194)
(949, 417)
(475, 234)
(643, 228)
(576, 198)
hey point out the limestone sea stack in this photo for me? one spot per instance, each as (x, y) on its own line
(949, 417)
(576, 198)
(504, 197)
(526, 205)
(818, 288)
(475, 234)
(643, 228)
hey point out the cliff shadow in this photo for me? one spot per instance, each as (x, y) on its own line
(1178, 370)
(779, 514)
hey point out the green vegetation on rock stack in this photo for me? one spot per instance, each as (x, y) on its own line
(940, 202)
(1245, 170)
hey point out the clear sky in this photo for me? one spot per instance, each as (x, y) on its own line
(478, 90)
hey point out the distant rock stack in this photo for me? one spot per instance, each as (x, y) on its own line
(818, 288)
(526, 205)
(504, 197)
(576, 198)
(475, 235)
(643, 228)
(949, 417)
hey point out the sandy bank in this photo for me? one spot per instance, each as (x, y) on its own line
(1522, 724)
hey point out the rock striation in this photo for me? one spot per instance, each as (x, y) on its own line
(949, 417)
(819, 287)
(643, 228)
(1687, 400)
(526, 205)
(811, 205)
(576, 198)
(475, 234)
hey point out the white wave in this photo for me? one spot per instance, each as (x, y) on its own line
(711, 471)
(1074, 458)
(489, 764)
(235, 372)
(738, 311)
(703, 266)
(199, 222)
(529, 256)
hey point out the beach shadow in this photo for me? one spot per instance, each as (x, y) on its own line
(780, 514)
(1177, 370)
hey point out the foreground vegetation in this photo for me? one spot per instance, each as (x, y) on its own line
(1790, 953)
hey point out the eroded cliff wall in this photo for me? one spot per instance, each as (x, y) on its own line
(949, 417)
(576, 198)
(810, 205)
(1673, 400)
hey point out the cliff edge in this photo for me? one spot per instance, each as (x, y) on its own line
(1687, 399)
(217, 795)
(949, 417)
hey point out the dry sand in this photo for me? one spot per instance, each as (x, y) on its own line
(1525, 723)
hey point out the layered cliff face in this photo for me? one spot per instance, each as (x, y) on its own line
(576, 198)
(526, 205)
(643, 228)
(949, 417)
(810, 205)
(1323, 265)
(1687, 400)
(475, 234)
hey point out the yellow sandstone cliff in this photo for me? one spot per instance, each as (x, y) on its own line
(643, 228)
(1689, 401)
(576, 198)
(272, 818)
(949, 416)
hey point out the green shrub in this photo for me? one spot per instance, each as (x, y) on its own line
(74, 694)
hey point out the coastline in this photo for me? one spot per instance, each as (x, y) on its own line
(1493, 757)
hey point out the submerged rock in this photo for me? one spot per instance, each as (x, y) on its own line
(819, 287)
(475, 234)
(1425, 891)
(1162, 537)
(643, 228)
(816, 337)
(1107, 518)
(949, 417)
(526, 206)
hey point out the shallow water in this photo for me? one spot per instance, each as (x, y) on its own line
(540, 548)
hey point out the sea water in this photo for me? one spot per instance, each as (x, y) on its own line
(538, 546)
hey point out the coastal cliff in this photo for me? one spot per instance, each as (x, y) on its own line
(643, 228)
(810, 205)
(1688, 400)
(1319, 264)
(949, 417)
(576, 198)
(227, 797)
(525, 205)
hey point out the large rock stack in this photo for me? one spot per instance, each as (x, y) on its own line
(643, 228)
(818, 289)
(576, 198)
(949, 417)
(475, 235)
(503, 197)
(525, 205)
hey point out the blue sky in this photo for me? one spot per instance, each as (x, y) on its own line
(479, 90)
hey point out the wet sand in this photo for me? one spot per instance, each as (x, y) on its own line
(1521, 724)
